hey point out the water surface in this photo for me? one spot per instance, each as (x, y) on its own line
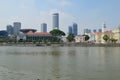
(59, 63)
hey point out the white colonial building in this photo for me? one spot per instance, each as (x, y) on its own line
(117, 34)
(79, 38)
(34, 36)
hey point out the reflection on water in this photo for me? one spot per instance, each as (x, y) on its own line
(59, 63)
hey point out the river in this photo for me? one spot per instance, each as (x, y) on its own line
(59, 63)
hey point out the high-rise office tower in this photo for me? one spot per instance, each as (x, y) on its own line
(70, 30)
(43, 27)
(75, 29)
(94, 30)
(99, 30)
(55, 21)
(10, 30)
(17, 27)
(87, 31)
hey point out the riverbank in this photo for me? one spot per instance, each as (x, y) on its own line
(93, 44)
(61, 44)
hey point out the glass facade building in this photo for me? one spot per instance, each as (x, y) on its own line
(17, 27)
(70, 30)
(55, 21)
(43, 27)
(10, 30)
(75, 29)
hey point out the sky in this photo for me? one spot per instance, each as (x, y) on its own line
(89, 14)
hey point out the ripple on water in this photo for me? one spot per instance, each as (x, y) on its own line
(6, 74)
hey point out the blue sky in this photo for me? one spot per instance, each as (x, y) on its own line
(86, 13)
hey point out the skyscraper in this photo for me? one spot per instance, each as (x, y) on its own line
(55, 21)
(10, 30)
(94, 30)
(70, 30)
(43, 27)
(99, 30)
(17, 27)
(87, 31)
(75, 29)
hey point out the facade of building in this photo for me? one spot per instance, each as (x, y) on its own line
(21, 37)
(3, 34)
(17, 27)
(117, 34)
(75, 29)
(87, 31)
(94, 30)
(55, 21)
(34, 36)
(99, 30)
(98, 37)
(91, 37)
(79, 38)
(110, 34)
(43, 27)
(70, 30)
(10, 30)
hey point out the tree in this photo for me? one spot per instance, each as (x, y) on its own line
(106, 38)
(70, 37)
(57, 32)
(56, 35)
(113, 40)
(86, 37)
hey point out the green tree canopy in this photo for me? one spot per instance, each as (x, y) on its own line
(113, 40)
(106, 38)
(86, 37)
(70, 37)
(57, 32)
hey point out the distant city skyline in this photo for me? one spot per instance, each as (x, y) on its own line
(43, 27)
(86, 13)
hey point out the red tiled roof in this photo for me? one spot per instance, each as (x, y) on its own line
(87, 33)
(43, 33)
(30, 32)
(97, 32)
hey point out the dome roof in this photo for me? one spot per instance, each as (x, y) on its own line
(27, 30)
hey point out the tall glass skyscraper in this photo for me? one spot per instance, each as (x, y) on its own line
(17, 27)
(70, 30)
(75, 29)
(94, 30)
(87, 31)
(55, 21)
(99, 30)
(43, 27)
(10, 30)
